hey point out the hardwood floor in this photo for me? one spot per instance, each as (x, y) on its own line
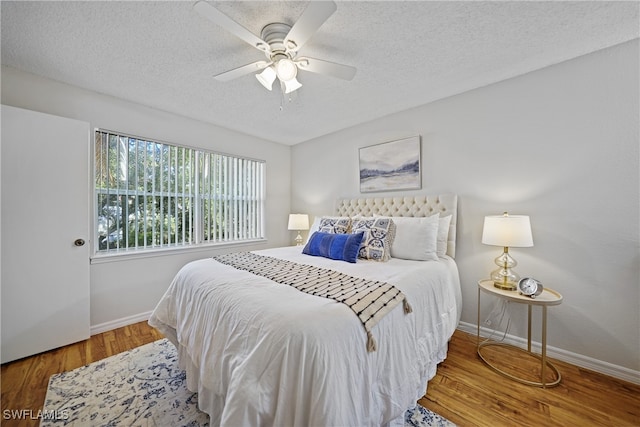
(469, 393)
(24, 381)
(464, 390)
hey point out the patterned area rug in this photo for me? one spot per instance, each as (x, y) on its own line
(143, 387)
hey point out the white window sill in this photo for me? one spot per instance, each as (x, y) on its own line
(129, 254)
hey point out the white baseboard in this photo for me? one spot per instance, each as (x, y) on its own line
(600, 366)
(119, 323)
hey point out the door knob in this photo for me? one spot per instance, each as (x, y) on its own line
(79, 242)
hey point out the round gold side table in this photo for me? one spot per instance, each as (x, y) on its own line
(547, 298)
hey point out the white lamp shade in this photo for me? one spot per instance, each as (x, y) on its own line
(267, 77)
(291, 85)
(507, 231)
(298, 222)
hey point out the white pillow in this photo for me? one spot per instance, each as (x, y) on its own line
(314, 227)
(443, 234)
(416, 238)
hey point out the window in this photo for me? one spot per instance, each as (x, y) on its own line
(151, 195)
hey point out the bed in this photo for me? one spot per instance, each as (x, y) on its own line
(260, 352)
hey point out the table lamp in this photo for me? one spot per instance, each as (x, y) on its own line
(506, 231)
(298, 222)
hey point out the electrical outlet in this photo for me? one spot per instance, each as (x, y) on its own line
(487, 322)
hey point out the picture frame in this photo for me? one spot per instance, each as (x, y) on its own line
(390, 166)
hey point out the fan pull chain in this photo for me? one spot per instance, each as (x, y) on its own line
(281, 96)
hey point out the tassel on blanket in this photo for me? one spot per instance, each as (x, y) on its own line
(406, 306)
(371, 342)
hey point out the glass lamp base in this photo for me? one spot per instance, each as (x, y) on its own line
(504, 277)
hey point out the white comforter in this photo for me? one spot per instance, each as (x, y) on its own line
(261, 353)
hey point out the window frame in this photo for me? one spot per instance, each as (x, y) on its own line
(198, 242)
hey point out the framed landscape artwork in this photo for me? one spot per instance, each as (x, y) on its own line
(391, 166)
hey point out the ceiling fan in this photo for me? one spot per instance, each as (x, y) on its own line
(280, 43)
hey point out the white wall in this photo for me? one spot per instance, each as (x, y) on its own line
(125, 288)
(559, 144)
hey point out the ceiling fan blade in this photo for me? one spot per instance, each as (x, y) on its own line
(214, 15)
(345, 72)
(241, 71)
(316, 13)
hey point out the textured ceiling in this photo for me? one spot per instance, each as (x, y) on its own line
(163, 54)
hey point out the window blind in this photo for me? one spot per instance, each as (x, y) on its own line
(151, 194)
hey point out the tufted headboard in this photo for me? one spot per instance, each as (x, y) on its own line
(413, 206)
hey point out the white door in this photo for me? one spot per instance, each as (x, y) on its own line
(45, 220)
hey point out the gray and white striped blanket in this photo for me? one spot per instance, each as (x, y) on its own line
(370, 300)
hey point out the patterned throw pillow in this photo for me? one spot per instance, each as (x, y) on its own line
(335, 224)
(379, 233)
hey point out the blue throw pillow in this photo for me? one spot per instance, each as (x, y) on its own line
(342, 247)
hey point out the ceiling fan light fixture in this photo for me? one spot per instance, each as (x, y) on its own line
(291, 85)
(280, 43)
(267, 77)
(286, 70)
